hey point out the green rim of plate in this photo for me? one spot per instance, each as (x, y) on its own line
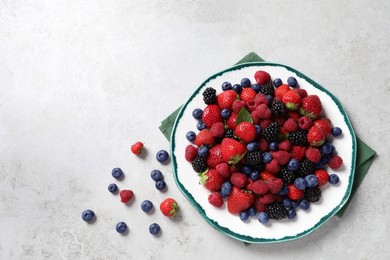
(242, 237)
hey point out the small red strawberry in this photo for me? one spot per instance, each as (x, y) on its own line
(258, 187)
(211, 115)
(281, 91)
(215, 199)
(137, 148)
(215, 156)
(226, 99)
(238, 179)
(246, 131)
(217, 130)
(298, 152)
(292, 100)
(313, 154)
(190, 153)
(305, 122)
(293, 193)
(204, 137)
(316, 136)
(126, 195)
(223, 169)
(247, 94)
(231, 122)
(311, 106)
(274, 185)
(239, 200)
(322, 176)
(262, 77)
(211, 180)
(335, 162)
(232, 150)
(324, 124)
(169, 207)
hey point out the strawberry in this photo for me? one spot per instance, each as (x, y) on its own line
(293, 114)
(232, 150)
(217, 130)
(298, 152)
(335, 162)
(190, 153)
(292, 100)
(316, 136)
(301, 92)
(226, 99)
(137, 148)
(258, 187)
(223, 169)
(311, 106)
(322, 176)
(313, 154)
(231, 122)
(290, 125)
(215, 156)
(211, 114)
(324, 124)
(293, 193)
(211, 180)
(169, 207)
(281, 156)
(204, 137)
(247, 94)
(274, 185)
(126, 195)
(239, 200)
(262, 77)
(305, 122)
(281, 91)
(238, 179)
(246, 131)
(215, 199)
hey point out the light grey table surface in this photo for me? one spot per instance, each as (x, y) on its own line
(80, 81)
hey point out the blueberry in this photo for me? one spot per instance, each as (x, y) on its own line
(292, 82)
(327, 149)
(294, 204)
(156, 175)
(246, 169)
(237, 88)
(256, 87)
(226, 189)
(160, 185)
(267, 157)
(291, 213)
(258, 129)
(286, 203)
(323, 161)
(226, 86)
(117, 173)
(200, 125)
(121, 227)
(245, 83)
(203, 151)
(270, 98)
(112, 188)
(244, 215)
(300, 183)
(283, 190)
(197, 113)
(311, 180)
(252, 212)
(263, 217)
(225, 113)
(162, 156)
(273, 146)
(333, 178)
(254, 175)
(277, 82)
(253, 146)
(146, 205)
(336, 131)
(304, 204)
(190, 136)
(293, 165)
(154, 229)
(88, 215)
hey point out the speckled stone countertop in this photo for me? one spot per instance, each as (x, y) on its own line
(80, 81)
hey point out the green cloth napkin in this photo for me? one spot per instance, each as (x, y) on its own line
(364, 156)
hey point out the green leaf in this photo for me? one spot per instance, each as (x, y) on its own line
(243, 116)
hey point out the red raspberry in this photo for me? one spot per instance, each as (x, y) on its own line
(251, 105)
(273, 166)
(264, 123)
(281, 90)
(263, 112)
(217, 129)
(223, 169)
(215, 199)
(322, 176)
(313, 154)
(263, 145)
(305, 122)
(137, 148)
(301, 92)
(260, 207)
(298, 152)
(274, 185)
(267, 198)
(293, 114)
(281, 156)
(280, 120)
(237, 105)
(262, 77)
(258, 187)
(190, 153)
(261, 99)
(265, 176)
(126, 195)
(290, 125)
(238, 179)
(285, 145)
(293, 193)
(335, 162)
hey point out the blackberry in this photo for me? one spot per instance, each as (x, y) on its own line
(312, 194)
(268, 89)
(305, 168)
(255, 160)
(278, 109)
(229, 133)
(276, 211)
(298, 137)
(209, 96)
(286, 175)
(199, 164)
(271, 132)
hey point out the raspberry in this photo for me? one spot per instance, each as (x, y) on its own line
(126, 195)
(190, 153)
(290, 125)
(305, 122)
(275, 185)
(322, 177)
(137, 148)
(261, 99)
(262, 77)
(265, 176)
(293, 193)
(285, 145)
(267, 198)
(313, 154)
(217, 129)
(263, 112)
(260, 207)
(335, 162)
(281, 156)
(223, 169)
(215, 199)
(238, 179)
(298, 152)
(272, 167)
(237, 105)
(258, 187)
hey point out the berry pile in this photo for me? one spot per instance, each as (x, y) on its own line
(263, 147)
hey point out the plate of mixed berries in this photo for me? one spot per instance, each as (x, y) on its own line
(264, 153)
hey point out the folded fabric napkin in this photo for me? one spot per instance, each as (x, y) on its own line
(364, 156)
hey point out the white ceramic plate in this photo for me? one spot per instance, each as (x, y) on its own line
(252, 231)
